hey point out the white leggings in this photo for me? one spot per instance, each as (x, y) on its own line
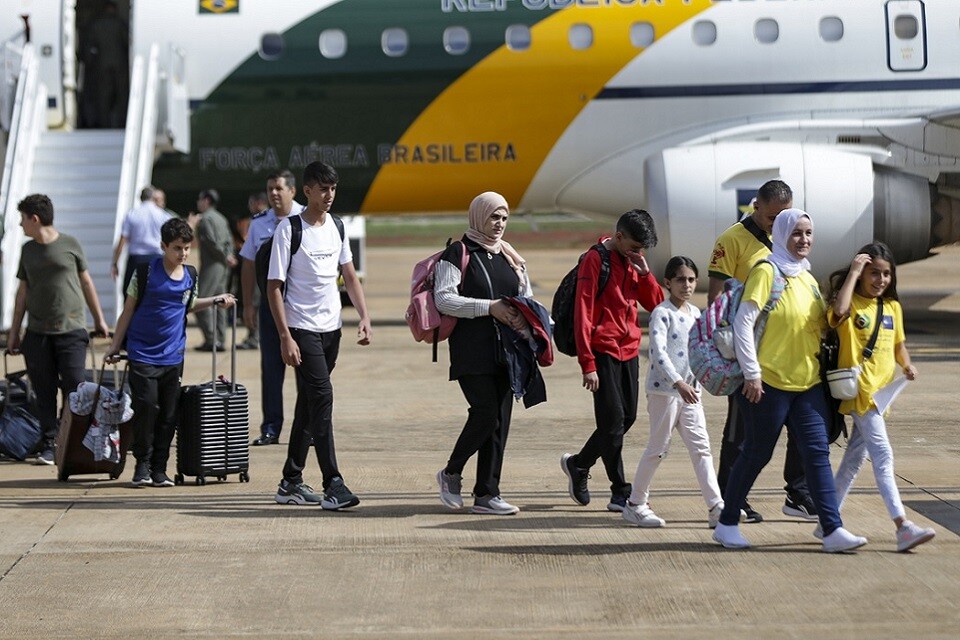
(869, 436)
(666, 413)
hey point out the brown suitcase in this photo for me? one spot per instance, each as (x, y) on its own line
(73, 458)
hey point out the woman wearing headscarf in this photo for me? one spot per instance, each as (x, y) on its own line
(494, 270)
(782, 382)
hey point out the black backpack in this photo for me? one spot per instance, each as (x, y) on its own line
(262, 261)
(565, 298)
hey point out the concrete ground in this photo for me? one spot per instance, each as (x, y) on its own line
(97, 558)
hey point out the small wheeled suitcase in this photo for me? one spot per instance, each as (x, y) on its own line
(213, 437)
(71, 456)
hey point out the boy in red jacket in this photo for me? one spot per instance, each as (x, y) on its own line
(607, 333)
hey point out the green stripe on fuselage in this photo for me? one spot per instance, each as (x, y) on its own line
(270, 115)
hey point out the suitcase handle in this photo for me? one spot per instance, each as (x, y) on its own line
(118, 387)
(233, 348)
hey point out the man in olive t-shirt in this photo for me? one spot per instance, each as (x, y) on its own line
(54, 283)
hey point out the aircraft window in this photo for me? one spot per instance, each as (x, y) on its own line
(271, 46)
(456, 40)
(641, 34)
(766, 30)
(906, 27)
(333, 43)
(394, 42)
(518, 37)
(831, 29)
(580, 36)
(704, 32)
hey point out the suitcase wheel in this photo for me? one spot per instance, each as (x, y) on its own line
(114, 476)
(178, 479)
(222, 478)
(62, 476)
(244, 476)
(201, 481)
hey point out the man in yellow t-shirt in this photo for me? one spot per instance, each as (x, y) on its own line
(737, 249)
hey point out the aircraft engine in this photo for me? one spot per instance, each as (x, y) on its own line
(696, 192)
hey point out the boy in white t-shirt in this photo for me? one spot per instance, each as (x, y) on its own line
(307, 315)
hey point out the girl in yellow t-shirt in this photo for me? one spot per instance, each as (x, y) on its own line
(855, 314)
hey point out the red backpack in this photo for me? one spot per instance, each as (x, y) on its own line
(425, 322)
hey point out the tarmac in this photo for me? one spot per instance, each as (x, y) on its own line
(98, 558)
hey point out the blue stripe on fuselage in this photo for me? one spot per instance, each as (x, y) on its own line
(782, 88)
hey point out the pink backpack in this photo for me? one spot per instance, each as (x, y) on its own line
(425, 322)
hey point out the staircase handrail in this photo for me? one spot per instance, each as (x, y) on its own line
(28, 121)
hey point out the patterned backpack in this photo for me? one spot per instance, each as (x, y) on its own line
(713, 359)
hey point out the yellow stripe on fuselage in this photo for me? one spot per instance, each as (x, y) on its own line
(493, 127)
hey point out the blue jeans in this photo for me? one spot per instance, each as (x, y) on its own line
(804, 413)
(272, 372)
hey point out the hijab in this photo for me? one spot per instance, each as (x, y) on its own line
(783, 226)
(482, 207)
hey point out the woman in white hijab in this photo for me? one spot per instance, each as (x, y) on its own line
(494, 270)
(782, 382)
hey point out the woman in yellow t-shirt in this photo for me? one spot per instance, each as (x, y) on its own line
(855, 312)
(782, 383)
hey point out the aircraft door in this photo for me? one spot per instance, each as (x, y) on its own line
(906, 35)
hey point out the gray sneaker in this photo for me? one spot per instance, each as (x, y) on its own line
(302, 493)
(493, 505)
(450, 488)
(141, 476)
(337, 496)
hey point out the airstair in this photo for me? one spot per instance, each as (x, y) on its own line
(92, 176)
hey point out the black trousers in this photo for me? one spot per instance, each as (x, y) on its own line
(54, 361)
(272, 373)
(155, 395)
(313, 416)
(732, 440)
(615, 410)
(485, 433)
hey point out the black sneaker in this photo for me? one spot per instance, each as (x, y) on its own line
(45, 457)
(617, 503)
(141, 476)
(337, 496)
(749, 515)
(161, 479)
(577, 480)
(800, 506)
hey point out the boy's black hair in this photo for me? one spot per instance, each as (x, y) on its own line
(38, 205)
(638, 224)
(212, 195)
(875, 249)
(176, 229)
(319, 173)
(288, 178)
(674, 264)
(775, 191)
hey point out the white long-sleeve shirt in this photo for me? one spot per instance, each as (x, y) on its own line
(743, 341)
(669, 330)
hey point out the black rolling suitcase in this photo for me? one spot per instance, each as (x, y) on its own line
(213, 437)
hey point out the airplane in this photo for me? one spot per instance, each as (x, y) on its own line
(682, 107)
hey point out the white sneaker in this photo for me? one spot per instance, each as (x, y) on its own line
(642, 516)
(910, 535)
(730, 537)
(450, 487)
(713, 516)
(841, 541)
(493, 505)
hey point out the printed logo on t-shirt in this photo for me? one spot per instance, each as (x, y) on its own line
(862, 321)
(718, 254)
(887, 322)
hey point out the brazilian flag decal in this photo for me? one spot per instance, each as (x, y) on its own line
(219, 6)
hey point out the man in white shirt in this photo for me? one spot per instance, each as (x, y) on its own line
(140, 233)
(305, 302)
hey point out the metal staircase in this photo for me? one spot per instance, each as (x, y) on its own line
(80, 172)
